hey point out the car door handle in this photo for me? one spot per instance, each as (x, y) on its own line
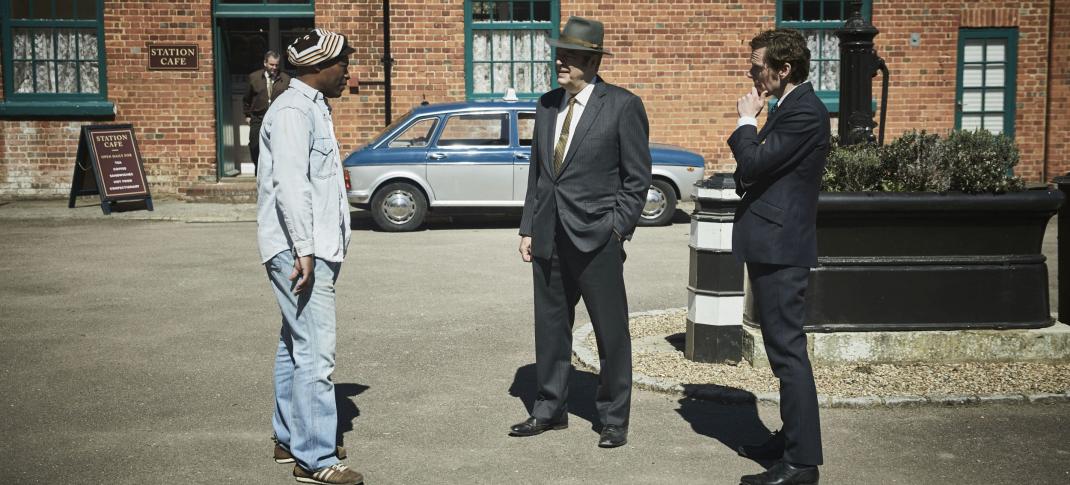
(523, 156)
(437, 156)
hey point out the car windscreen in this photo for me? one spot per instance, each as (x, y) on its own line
(391, 127)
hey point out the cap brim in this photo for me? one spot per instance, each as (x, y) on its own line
(576, 47)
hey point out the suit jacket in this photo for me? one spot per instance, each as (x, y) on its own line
(255, 103)
(604, 177)
(778, 175)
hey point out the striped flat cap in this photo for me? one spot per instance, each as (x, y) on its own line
(317, 46)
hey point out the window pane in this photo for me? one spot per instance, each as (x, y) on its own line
(541, 45)
(502, 79)
(502, 49)
(42, 44)
(543, 77)
(971, 122)
(521, 11)
(542, 11)
(791, 10)
(997, 51)
(481, 46)
(87, 45)
(476, 129)
(90, 77)
(811, 10)
(501, 11)
(994, 123)
(521, 46)
(971, 101)
(480, 12)
(87, 9)
(23, 81)
(525, 126)
(973, 51)
(65, 44)
(416, 135)
(834, 10)
(481, 78)
(994, 100)
(830, 76)
(994, 78)
(522, 77)
(816, 71)
(43, 72)
(830, 45)
(972, 76)
(21, 38)
(20, 9)
(67, 77)
(64, 9)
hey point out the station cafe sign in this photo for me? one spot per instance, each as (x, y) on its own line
(173, 57)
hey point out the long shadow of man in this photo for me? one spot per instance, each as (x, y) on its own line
(726, 414)
(347, 409)
(581, 393)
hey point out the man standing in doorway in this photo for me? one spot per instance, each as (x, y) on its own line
(303, 232)
(778, 175)
(265, 85)
(589, 175)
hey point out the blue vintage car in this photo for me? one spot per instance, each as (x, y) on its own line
(473, 158)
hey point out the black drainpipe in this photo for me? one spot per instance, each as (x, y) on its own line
(388, 62)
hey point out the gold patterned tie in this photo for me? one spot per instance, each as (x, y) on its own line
(562, 141)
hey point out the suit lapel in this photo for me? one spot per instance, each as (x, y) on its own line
(546, 131)
(590, 114)
(791, 98)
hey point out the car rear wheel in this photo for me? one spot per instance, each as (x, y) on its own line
(399, 207)
(660, 204)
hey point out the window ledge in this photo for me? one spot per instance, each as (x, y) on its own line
(71, 109)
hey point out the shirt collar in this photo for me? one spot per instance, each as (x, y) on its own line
(305, 89)
(585, 93)
(786, 93)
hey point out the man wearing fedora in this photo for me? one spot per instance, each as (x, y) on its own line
(778, 175)
(303, 233)
(590, 171)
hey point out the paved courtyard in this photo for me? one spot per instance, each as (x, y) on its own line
(140, 352)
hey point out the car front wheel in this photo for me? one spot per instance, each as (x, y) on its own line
(399, 207)
(660, 204)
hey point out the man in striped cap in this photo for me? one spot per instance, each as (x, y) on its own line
(303, 232)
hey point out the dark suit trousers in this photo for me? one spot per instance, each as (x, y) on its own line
(779, 293)
(560, 281)
(254, 139)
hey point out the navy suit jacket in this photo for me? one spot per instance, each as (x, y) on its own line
(778, 175)
(604, 177)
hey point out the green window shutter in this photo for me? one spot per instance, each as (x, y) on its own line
(986, 80)
(505, 47)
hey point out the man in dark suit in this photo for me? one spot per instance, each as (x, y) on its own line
(264, 86)
(590, 171)
(778, 175)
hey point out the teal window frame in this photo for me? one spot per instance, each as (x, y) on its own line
(53, 104)
(265, 8)
(1010, 73)
(471, 27)
(830, 98)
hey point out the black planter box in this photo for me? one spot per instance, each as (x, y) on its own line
(926, 261)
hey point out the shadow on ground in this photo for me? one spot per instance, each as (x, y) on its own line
(581, 394)
(361, 220)
(726, 414)
(347, 409)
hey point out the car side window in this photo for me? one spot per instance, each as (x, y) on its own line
(481, 129)
(417, 134)
(525, 127)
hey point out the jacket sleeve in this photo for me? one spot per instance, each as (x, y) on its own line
(291, 135)
(756, 160)
(533, 179)
(634, 135)
(247, 100)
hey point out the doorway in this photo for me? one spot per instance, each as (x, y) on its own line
(241, 43)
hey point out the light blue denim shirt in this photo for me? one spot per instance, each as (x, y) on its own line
(301, 193)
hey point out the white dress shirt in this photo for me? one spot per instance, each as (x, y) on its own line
(577, 111)
(751, 120)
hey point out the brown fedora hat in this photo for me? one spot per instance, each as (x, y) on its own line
(581, 34)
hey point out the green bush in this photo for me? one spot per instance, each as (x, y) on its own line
(973, 162)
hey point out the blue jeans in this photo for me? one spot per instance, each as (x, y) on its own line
(306, 416)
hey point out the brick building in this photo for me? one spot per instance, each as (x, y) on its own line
(954, 64)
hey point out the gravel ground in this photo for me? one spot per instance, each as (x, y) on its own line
(843, 380)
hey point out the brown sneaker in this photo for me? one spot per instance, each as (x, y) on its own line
(283, 456)
(336, 474)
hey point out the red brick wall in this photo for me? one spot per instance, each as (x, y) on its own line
(1059, 96)
(685, 58)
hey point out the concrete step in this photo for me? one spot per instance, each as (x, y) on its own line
(230, 190)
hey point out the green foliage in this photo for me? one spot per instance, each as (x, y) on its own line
(972, 162)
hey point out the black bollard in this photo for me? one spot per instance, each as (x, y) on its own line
(1063, 251)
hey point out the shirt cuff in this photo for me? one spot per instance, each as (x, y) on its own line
(304, 248)
(747, 120)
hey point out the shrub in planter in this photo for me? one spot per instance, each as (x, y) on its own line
(915, 162)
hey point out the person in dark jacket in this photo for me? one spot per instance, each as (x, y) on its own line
(264, 86)
(778, 175)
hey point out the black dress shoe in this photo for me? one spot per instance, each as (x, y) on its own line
(783, 473)
(613, 436)
(532, 426)
(771, 449)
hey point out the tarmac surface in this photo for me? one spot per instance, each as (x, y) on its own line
(140, 351)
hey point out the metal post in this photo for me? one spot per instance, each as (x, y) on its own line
(715, 279)
(858, 64)
(1063, 252)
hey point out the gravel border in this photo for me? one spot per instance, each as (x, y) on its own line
(588, 357)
